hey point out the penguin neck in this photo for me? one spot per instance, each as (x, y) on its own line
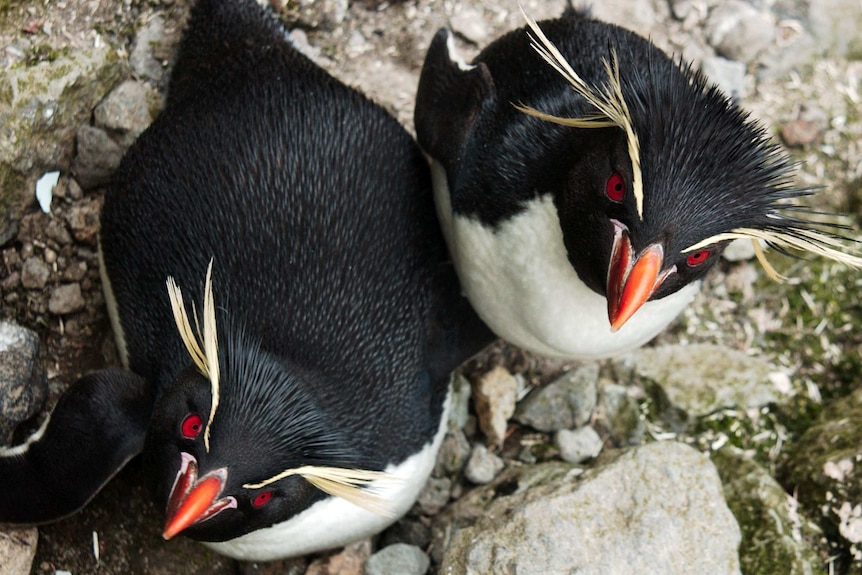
(518, 277)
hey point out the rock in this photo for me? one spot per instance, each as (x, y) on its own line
(738, 31)
(689, 381)
(728, 75)
(125, 112)
(57, 231)
(459, 407)
(324, 14)
(66, 299)
(824, 467)
(83, 219)
(471, 25)
(738, 251)
(407, 531)
(565, 403)
(483, 466)
(23, 386)
(348, 561)
(400, 559)
(658, 508)
(453, 454)
(494, 399)
(17, 550)
(837, 25)
(579, 445)
(34, 273)
(435, 495)
(799, 133)
(295, 566)
(141, 58)
(41, 106)
(96, 159)
(773, 532)
(619, 415)
(637, 15)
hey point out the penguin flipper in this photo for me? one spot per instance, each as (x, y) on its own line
(448, 100)
(98, 425)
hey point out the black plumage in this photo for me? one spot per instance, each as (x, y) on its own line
(646, 198)
(337, 315)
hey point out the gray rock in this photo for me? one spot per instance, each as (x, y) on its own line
(17, 550)
(471, 25)
(407, 531)
(453, 454)
(494, 398)
(483, 466)
(578, 445)
(658, 508)
(141, 58)
(459, 407)
(696, 380)
(125, 112)
(97, 157)
(738, 250)
(23, 387)
(618, 414)
(66, 299)
(57, 231)
(34, 273)
(398, 559)
(565, 403)
(637, 15)
(837, 25)
(435, 495)
(738, 31)
(774, 533)
(728, 75)
(325, 14)
(40, 115)
(83, 220)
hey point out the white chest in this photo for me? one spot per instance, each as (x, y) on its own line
(519, 280)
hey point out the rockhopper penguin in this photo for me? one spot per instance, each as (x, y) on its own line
(281, 297)
(586, 182)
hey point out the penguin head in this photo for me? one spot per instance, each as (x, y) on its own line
(238, 441)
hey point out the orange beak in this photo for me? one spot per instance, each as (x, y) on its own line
(192, 500)
(631, 283)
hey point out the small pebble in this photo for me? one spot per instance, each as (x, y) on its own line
(494, 398)
(800, 133)
(398, 559)
(34, 273)
(66, 299)
(579, 445)
(483, 466)
(435, 495)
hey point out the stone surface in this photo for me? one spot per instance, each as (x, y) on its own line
(348, 561)
(435, 495)
(774, 533)
(125, 112)
(35, 273)
(83, 220)
(696, 380)
(618, 414)
(23, 387)
(459, 406)
(17, 550)
(453, 454)
(494, 398)
(738, 31)
(97, 157)
(65, 299)
(565, 403)
(400, 559)
(738, 250)
(40, 109)
(579, 445)
(824, 469)
(141, 57)
(837, 25)
(483, 466)
(726, 74)
(470, 24)
(654, 509)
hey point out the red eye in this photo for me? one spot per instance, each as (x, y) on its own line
(697, 258)
(615, 188)
(192, 425)
(262, 499)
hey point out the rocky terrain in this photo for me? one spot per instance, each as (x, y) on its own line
(732, 444)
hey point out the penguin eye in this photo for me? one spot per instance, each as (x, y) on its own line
(697, 258)
(615, 188)
(192, 425)
(262, 499)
